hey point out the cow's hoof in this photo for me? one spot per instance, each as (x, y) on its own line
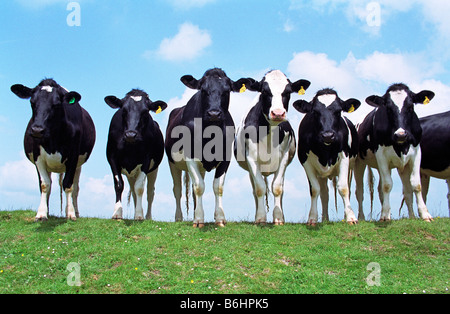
(278, 223)
(221, 224)
(312, 223)
(72, 218)
(428, 219)
(352, 222)
(40, 219)
(199, 225)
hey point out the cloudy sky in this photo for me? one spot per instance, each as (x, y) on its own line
(358, 47)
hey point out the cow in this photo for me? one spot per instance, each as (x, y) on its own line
(327, 148)
(435, 147)
(59, 138)
(135, 148)
(205, 115)
(389, 137)
(265, 141)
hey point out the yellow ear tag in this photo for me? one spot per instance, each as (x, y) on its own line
(243, 89)
(352, 108)
(426, 101)
(159, 110)
(302, 91)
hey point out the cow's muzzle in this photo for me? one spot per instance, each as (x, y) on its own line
(328, 138)
(37, 131)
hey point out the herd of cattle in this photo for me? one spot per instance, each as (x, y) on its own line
(200, 135)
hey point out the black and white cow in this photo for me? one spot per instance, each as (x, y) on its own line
(265, 141)
(389, 137)
(435, 146)
(135, 148)
(327, 148)
(59, 138)
(199, 138)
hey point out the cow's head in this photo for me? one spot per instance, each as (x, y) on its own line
(398, 104)
(215, 88)
(135, 114)
(48, 100)
(326, 108)
(276, 90)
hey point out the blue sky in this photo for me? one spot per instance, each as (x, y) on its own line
(122, 45)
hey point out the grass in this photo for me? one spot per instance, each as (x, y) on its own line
(160, 257)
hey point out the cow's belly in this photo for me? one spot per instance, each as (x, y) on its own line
(388, 156)
(322, 171)
(54, 162)
(435, 174)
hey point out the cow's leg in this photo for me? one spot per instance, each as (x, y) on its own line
(177, 189)
(360, 168)
(278, 188)
(405, 176)
(344, 190)
(385, 189)
(259, 190)
(417, 187)
(76, 190)
(68, 185)
(118, 187)
(448, 195)
(138, 189)
(45, 188)
(324, 197)
(425, 181)
(219, 215)
(151, 179)
(314, 187)
(199, 188)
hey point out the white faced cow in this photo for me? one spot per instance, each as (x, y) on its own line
(199, 139)
(327, 146)
(389, 138)
(435, 146)
(265, 141)
(135, 148)
(59, 138)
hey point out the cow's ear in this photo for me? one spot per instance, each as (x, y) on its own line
(113, 102)
(424, 97)
(21, 91)
(157, 106)
(303, 106)
(300, 86)
(190, 82)
(375, 101)
(254, 86)
(71, 98)
(350, 105)
(243, 84)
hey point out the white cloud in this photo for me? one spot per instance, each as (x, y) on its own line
(188, 44)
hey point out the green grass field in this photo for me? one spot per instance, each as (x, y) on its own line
(160, 257)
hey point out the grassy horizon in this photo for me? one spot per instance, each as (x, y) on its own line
(161, 257)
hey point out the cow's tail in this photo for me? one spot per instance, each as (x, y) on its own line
(267, 193)
(335, 193)
(401, 206)
(371, 181)
(129, 198)
(186, 185)
(61, 177)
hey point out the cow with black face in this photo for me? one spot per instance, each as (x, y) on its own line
(205, 116)
(59, 138)
(389, 138)
(327, 147)
(265, 141)
(135, 148)
(435, 146)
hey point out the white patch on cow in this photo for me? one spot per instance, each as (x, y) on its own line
(51, 162)
(277, 83)
(134, 173)
(400, 131)
(398, 97)
(327, 99)
(48, 89)
(136, 98)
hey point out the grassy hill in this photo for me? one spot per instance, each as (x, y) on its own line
(159, 257)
